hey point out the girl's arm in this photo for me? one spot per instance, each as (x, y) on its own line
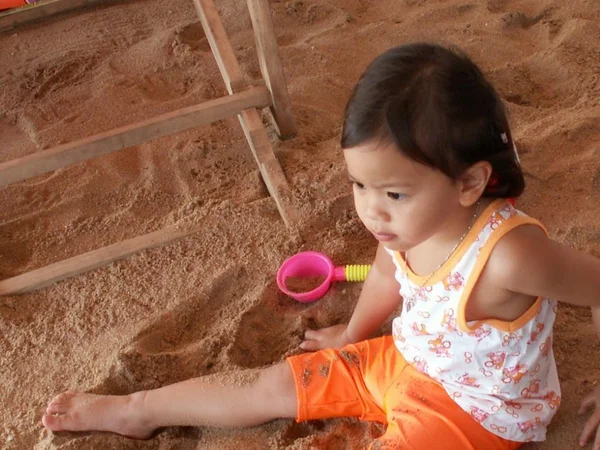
(526, 261)
(378, 299)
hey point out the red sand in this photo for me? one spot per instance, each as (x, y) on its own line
(209, 303)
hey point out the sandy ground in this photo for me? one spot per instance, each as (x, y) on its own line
(209, 303)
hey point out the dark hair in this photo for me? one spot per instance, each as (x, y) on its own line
(436, 106)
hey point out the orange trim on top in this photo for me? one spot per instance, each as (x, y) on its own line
(444, 270)
(486, 251)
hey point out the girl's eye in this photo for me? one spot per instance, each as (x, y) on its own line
(396, 196)
(358, 185)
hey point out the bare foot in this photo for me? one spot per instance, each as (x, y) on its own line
(77, 411)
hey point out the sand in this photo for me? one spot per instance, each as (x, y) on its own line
(209, 303)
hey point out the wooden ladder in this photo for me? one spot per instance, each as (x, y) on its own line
(242, 100)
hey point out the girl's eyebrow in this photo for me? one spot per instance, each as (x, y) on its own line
(394, 184)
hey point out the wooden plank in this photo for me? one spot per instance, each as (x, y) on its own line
(220, 45)
(86, 262)
(270, 66)
(273, 176)
(256, 135)
(15, 17)
(118, 138)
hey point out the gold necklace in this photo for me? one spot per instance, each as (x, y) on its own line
(421, 285)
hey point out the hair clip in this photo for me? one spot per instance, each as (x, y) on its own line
(504, 138)
(516, 153)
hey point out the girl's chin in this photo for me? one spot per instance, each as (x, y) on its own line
(396, 246)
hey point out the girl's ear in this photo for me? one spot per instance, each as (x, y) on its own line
(473, 182)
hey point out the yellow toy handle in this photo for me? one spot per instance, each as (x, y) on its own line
(357, 272)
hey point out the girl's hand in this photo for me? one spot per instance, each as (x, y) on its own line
(591, 426)
(331, 337)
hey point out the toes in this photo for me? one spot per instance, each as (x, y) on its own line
(60, 403)
(52, 422)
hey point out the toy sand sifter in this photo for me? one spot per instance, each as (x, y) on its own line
(316, 265)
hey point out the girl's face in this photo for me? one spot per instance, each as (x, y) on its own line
(403, 203)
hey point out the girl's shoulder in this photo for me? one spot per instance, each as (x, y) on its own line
(525, 259)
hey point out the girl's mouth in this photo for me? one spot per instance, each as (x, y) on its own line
(383, 237)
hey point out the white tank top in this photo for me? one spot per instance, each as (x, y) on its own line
(502, 373)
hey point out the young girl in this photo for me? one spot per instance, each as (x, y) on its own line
(470, 365)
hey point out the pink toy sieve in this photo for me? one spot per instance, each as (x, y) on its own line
(315, 264)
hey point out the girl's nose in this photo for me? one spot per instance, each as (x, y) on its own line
(376, 211)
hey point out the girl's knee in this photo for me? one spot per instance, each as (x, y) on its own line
(277, 387)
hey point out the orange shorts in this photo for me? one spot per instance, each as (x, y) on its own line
(6, 4)
(372, 380)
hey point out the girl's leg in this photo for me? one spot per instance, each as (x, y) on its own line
(226, 400)
(421, 415)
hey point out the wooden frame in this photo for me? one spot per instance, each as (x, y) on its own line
(270, 66)
(100, 144)
(85, 262)
(242, 101)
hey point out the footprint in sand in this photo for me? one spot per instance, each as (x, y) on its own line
(192, 36)
(328, 435)
(138, 369)
(190, 337)
(540, 81)
(496, 6)
(517, 19)
(57, 74)
(263, 337)
(14, 258)
(278, 302)
(43, 198)
(320, 16)
(295, 431)
(158, 88)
